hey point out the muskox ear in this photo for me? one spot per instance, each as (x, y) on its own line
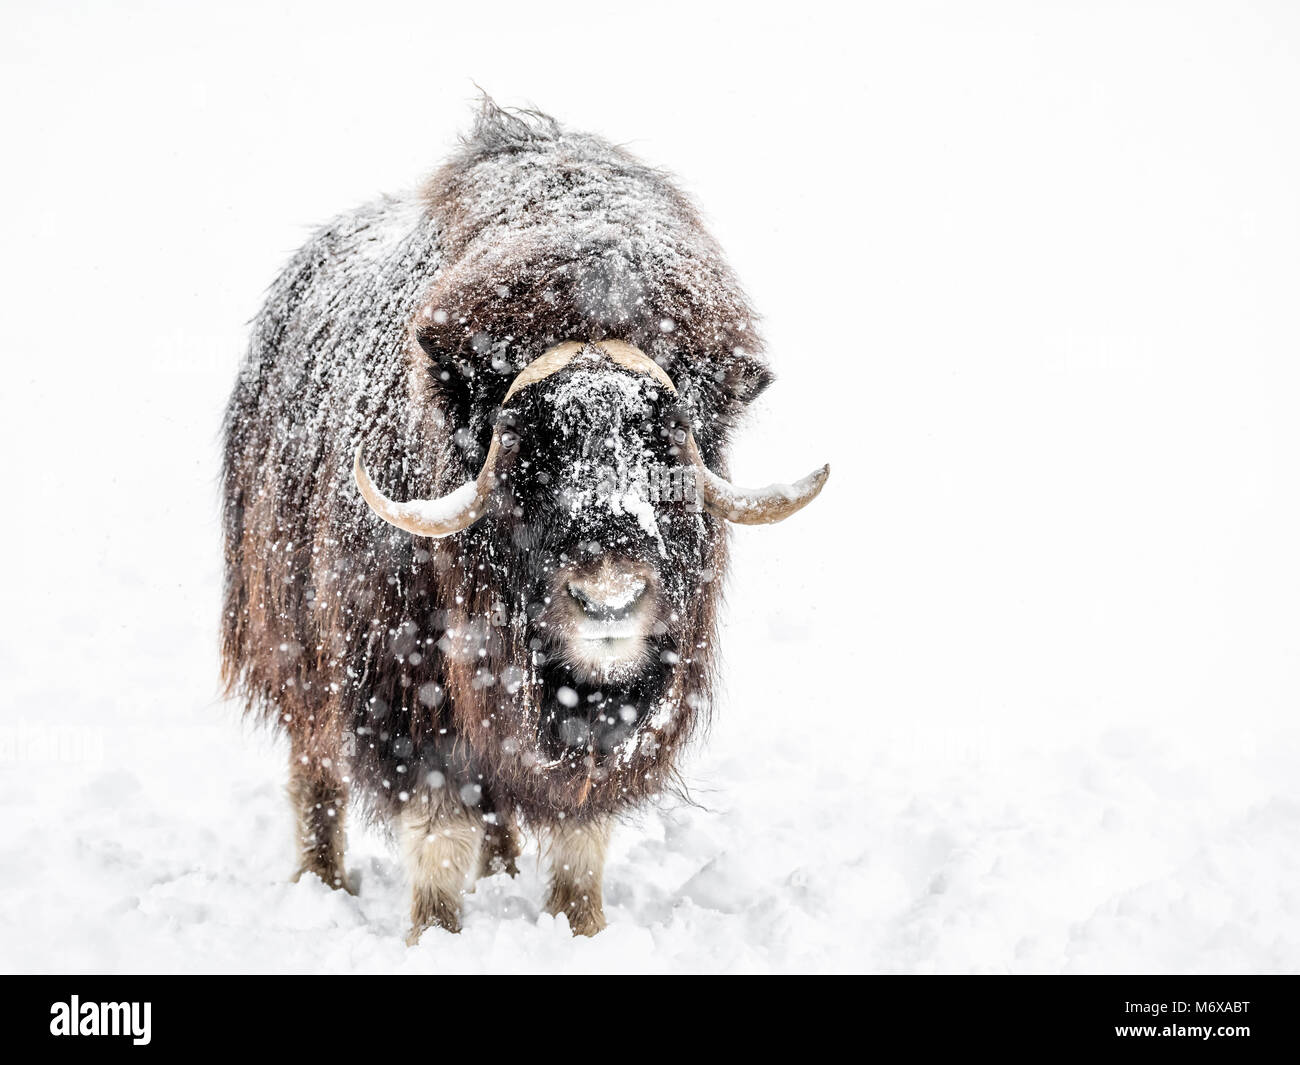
(451, 375)
(743, 379)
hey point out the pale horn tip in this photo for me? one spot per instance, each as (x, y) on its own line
(761, 506)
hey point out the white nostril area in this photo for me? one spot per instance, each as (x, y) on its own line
(612, 597)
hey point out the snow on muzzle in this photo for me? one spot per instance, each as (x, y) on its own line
(458, 510)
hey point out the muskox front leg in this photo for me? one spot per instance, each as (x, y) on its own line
(320, 803)
(577, 854)
(442, 843)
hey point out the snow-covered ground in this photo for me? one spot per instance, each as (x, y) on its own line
(1018, 693)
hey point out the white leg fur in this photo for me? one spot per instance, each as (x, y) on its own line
(442, 847)
(577, 855)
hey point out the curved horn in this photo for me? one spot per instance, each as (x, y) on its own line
(549, 362)
(443, 516)
(458, 510)
(745, 506)
(636, 360)
(753, 506)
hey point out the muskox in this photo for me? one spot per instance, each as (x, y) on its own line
(476, 507)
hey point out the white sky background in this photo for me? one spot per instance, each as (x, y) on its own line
(1029, 275)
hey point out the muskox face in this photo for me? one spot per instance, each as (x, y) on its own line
(606, 517)
(603, 519)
